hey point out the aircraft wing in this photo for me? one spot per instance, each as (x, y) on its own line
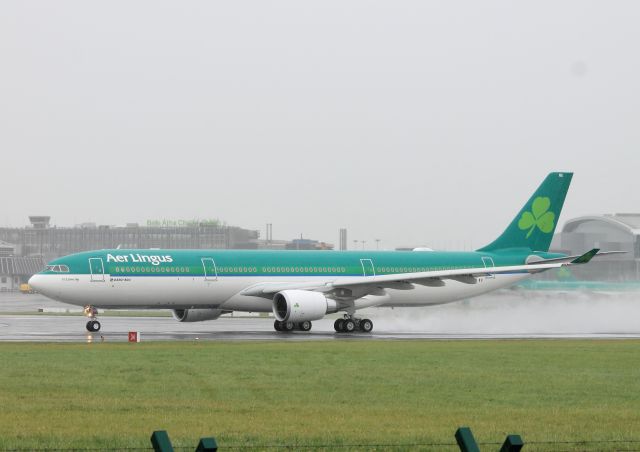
(360, 284)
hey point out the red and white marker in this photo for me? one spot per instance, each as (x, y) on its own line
(134, 336)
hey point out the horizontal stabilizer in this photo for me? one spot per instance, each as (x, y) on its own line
(578, 259)
(586, 257)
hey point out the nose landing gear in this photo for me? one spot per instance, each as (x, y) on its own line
(93, 326)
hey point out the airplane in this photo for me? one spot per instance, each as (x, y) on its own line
(302, 286)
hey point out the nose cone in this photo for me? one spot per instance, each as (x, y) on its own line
(36, 282)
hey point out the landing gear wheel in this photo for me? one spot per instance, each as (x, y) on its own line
(93, 326)
(348, 326)
(277, 325)
(305, 326)
(288, 326)
(366, 325)
(337, 325)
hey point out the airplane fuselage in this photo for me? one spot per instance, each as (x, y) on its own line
(183, 279)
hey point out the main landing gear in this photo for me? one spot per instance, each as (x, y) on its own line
(93, 326)
(353, 325)
(287, 327)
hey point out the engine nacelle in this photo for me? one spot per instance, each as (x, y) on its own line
(196, 315)
(301, 305)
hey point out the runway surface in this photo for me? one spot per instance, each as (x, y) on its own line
(504, 315)
(115, 329)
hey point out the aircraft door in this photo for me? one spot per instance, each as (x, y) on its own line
(96, 266)
(488, 262)
(367, 267)
(210, 270)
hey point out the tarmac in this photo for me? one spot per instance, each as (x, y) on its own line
(458, 321)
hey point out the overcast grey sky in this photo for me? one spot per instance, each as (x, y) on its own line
(416, 122)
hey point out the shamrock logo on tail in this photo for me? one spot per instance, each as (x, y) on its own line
(539, 217)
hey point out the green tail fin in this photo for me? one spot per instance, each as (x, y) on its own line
(534, 226)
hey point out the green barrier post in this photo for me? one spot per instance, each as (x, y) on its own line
(513, 443)
(161, 442)
(207, 445)
(466, 441)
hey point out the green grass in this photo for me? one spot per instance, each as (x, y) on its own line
(312, 393)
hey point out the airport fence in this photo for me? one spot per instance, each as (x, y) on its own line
(465, 442)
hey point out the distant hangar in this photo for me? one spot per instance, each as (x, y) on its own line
(615, 232)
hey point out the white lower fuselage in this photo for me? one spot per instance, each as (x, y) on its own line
(183, 292)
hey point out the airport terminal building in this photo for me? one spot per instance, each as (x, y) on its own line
(49, 242)
(43, 240)
(616, 232)
(15, 270)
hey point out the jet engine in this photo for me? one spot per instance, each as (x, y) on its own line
(196, 315)
(301, 305)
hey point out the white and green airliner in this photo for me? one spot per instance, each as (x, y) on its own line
(303, 286)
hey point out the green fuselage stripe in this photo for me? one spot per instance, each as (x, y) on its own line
(222, 263)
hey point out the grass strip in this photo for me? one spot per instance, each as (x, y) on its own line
(310, 394)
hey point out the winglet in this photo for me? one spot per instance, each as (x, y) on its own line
(586, 257)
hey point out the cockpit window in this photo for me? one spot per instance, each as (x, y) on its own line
(57, 268)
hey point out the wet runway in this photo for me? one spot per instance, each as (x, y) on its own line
(502, 316)
(44, 328)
